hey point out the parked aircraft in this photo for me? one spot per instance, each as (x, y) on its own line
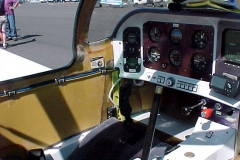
(114, 3)
(22, 66)
(147, 2)
(164, 85)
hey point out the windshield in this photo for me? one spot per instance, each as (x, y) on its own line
(107, 14)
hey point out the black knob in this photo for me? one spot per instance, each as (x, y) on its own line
(186, 110)
(170, 81)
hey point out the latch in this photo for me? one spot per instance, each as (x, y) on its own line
(60, 80)
(10, 93)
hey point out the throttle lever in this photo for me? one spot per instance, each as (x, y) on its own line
(187, 110)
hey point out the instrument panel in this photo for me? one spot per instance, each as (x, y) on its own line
(179, 51)
(182, 49)
(193, 52)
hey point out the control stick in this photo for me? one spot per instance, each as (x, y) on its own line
(187, 110)
(151, 123)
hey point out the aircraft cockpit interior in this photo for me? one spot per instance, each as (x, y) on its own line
(194, 56)
(177, 76)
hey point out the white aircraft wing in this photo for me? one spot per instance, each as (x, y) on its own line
(14, 66)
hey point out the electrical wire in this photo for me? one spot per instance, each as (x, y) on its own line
(110, 91)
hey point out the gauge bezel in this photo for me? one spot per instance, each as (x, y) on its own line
(200, 42)
(150, 57)
(154, 37)
(197, 66)
(132, 37)
(174, 37)
(172, 57)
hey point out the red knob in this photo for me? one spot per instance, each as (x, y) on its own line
(207, 112)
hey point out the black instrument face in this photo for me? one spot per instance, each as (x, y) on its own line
(200, 39)
(199, 62)
(175, 58)
(154, 34)
(132, 37)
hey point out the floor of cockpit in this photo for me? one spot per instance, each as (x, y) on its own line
(175, 128)
(163, 140)
(171, 129)
(133, 144)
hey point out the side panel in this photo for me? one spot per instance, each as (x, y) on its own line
(43, 116)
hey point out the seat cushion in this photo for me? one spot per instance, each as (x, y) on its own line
(103, 142)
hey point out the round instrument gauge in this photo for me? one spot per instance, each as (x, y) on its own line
(154, 34)
(176, 36)
(175, 58)
(132, 37)
(199, 62)
(200, 39)
(154, 54)
(132, 62)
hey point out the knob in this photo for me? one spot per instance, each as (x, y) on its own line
(187, 110)
(170, 81)
(206, 113)
(229, 85)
